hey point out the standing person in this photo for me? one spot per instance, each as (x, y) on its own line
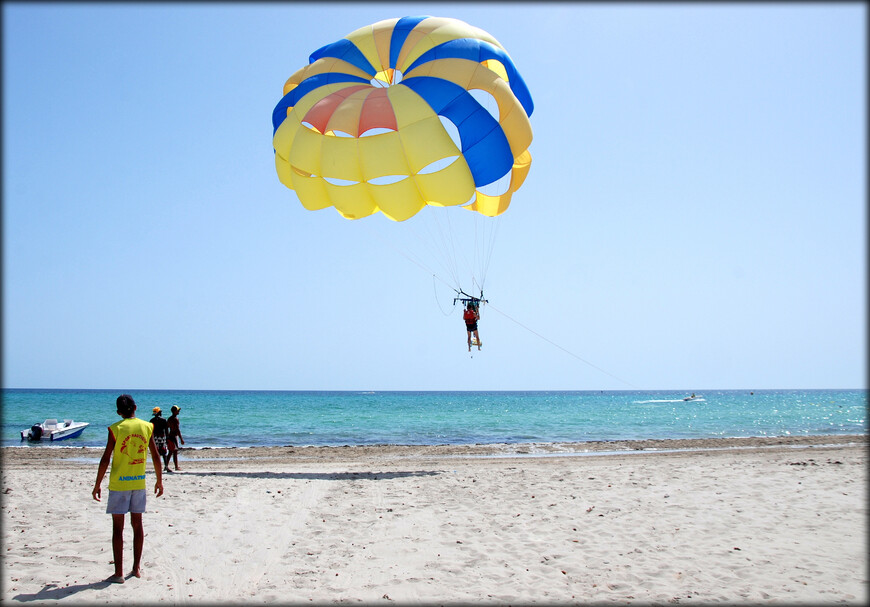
(126, 447)
(161, 433)
(471, 316)
(174, 435)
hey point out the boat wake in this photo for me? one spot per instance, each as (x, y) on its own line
(671, 400)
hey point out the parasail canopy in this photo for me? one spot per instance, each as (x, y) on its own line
(402, 114)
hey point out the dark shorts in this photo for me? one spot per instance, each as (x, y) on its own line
(172, 444)
(471, 327)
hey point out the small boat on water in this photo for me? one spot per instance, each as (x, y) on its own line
(52, 430)
(688, 398)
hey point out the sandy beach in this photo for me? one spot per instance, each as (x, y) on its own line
(780, 520)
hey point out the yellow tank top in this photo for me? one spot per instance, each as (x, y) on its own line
(130, 455)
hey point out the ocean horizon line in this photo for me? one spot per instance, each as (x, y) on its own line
(428, 390)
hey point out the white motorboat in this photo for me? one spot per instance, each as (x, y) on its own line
(52, 430)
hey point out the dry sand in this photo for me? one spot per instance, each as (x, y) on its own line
(730, 520)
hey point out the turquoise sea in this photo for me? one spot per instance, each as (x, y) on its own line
(261, 418)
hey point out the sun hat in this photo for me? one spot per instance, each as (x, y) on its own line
(176, 409)
(155, 410)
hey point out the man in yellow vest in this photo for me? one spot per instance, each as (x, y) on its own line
(129, 441)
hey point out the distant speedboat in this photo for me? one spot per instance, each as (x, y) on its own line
(52, 430)
(688, 398)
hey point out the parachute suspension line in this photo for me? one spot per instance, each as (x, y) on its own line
(485, 232)
(430, 236)
(443, 235)
(454, 256)
(475, 264)
(457, 248)
(480, 229)
(496, 222)
(416, 262)
(563, 349)
(435, 290)
(419, 264)
(438, 236)
(466, 262)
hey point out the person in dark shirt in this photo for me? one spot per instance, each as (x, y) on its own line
(175, 437)
(161, 435)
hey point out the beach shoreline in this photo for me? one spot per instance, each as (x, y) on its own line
(742, 520)
(59, 451)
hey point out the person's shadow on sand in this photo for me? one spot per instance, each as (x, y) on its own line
(53, 592)
(327, 476)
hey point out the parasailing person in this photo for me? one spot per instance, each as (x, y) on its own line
(471, 316)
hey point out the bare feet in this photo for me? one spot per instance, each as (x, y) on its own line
(137, 572)
(116, 579)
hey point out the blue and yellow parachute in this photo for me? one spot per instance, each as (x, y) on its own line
(401, 114)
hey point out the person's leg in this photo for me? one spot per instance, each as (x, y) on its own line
(469, 340)
(477, 339)
(138, 541)
(118, 546)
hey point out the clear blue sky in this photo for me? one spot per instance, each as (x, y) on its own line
(694, 218)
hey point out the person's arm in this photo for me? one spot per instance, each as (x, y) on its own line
(158, 469)
(104, 465)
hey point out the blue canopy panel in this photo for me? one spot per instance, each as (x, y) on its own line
(305, 87)
(345, 50)
(403, 27)
(479, 51)
(484, 144)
